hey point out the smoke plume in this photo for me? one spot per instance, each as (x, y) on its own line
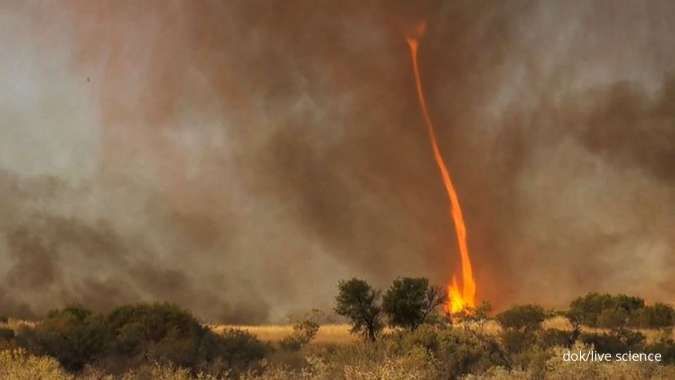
(240, 157)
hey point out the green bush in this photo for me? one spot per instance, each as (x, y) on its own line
(167, 333)
(522, 318)
(74, 336)
(453, 352)
(605, 310)
(533, 359)
(517, 341)
(76, 313)
(303, 333)
(586, 309)
(237, 349)
(656, 316)
(150, 329)
(666, 347)
(617, 341)
(613, 318)
(461, 352)
(555, 337)
(6, 334)
(457, 351)
(628, 303)
(131, 335)
(426, 336)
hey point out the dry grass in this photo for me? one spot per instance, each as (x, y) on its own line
(338, 334)
(560, 323)
(18, 364)
(16, 324)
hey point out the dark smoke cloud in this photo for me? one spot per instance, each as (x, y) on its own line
(239, 157)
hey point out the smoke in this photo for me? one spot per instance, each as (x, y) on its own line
(241, 157)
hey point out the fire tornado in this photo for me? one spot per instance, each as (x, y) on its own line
(458, 300)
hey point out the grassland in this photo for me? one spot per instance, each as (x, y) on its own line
(339, 333)
(466, 351)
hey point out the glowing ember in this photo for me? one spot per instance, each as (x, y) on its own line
(458, 300)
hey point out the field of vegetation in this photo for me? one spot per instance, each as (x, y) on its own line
(401, 333)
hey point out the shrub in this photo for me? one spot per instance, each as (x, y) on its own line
(533, 359)
(414, 364)
(6, 334)
(523, 318)
(628, 303)
(426, 336)
(604, 310)
(160, 332)
(157, 371)
(586, 309)
(167, 333)
(556, 368)
(457, 351)
(461, 352)
(74, 336)
(336, 357)
(656, 316)
(77, 313)
(615, 342)
(516, 341)
(356, 362)
(131, 335)
(555, 337)
(3, 319)
(303, 333)
(239, 349)
(613, 318)
(358, 301)
(666, 347)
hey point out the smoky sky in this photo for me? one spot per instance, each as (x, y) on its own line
(240, 157)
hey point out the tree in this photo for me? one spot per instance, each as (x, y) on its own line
(409, 301)
(359, 302)
(435, 297)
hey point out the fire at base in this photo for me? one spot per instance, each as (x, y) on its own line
(458, 300)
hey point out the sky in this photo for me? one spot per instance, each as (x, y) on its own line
(239, 158)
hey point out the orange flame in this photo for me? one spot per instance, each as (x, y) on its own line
(467, 297)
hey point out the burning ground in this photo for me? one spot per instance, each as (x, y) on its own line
(240, 157)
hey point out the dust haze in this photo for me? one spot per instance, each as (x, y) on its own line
(240, 157)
